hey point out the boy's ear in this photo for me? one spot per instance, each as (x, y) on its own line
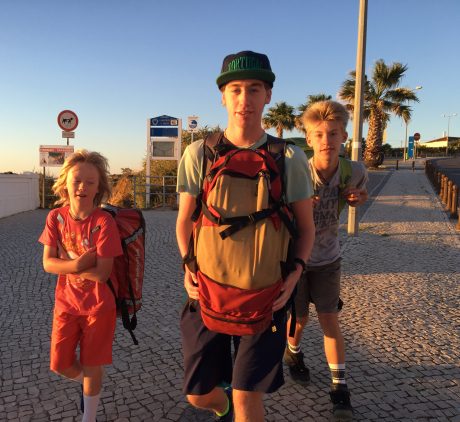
(308, 141)
(345, 136)
(268, 96)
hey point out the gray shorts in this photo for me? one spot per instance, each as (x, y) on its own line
(321, 286)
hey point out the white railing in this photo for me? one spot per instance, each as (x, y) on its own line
(18, 193)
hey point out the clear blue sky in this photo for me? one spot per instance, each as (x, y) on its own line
(117, 63)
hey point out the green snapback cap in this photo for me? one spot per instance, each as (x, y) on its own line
(246, 65)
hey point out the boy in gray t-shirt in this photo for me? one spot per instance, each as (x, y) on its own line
(326, 123)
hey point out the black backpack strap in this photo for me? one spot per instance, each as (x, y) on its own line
(277, 148)
(128, 323)
(209, 155)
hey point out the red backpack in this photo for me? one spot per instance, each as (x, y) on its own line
(128, 269)
(241, 235)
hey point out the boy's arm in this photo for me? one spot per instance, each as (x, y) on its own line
(184, 228)
(303, 213)
(53, 264)
(99, 273)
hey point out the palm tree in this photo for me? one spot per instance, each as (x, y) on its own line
(382, 96)
(281, 117)
(302, 107)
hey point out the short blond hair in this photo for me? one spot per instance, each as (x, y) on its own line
(83, 156)
(325, 111)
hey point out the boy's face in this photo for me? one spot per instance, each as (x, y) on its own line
(82, 184)
(245, 101)
(326, 138)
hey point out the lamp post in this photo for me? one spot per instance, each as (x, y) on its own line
(448, 125)
(407, 126)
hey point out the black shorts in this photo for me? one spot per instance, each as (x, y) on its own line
(208, 361)
(321, 286)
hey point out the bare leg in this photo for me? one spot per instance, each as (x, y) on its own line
(248, 406)
(215, 401)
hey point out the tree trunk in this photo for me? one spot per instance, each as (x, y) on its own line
(373, 154)
(279, 131)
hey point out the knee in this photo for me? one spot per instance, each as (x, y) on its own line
(329, 324)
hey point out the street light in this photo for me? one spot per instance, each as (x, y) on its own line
(407, 125)
(448, 125)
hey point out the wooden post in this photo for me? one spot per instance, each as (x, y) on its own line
(454, 204)
(449, 195)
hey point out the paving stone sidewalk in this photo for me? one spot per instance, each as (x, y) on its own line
(401, 323)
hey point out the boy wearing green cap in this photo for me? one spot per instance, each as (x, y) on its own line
(245, 82)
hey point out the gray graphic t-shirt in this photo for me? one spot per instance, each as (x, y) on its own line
(326, 248)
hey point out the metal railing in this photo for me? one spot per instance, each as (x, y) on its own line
(162, 192)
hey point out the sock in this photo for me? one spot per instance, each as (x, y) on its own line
(338, 374)
(91, 404)
(227, 409)
(293, 349)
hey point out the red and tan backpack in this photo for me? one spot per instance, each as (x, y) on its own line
(241, 236)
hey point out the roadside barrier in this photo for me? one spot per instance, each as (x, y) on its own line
(446, 188)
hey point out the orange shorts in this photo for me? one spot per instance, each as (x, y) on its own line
(94, 333)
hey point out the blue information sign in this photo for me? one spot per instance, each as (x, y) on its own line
(164, 121)
(410, 147)
(170, 132)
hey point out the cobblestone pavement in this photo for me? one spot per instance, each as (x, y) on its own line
(400, 321)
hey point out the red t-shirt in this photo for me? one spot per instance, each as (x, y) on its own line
(86, 297)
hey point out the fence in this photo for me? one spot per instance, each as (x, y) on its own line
(162, 192)
(446, 185)
(132, 194)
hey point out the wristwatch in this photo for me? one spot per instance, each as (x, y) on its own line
(302, 263)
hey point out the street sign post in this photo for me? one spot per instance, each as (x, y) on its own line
(164, 136)
(68, 122)
(192, 125)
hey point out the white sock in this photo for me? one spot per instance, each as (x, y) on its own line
(91, 404)
(293, 349)
(338, 373)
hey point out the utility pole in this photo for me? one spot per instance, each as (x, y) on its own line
(358, 106)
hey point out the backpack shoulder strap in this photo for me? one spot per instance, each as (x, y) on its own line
(345, 170)
(277, 148)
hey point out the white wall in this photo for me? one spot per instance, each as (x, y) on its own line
(18, 192)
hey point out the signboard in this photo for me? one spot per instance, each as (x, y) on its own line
(163, 150)
(68, 134)
(164, 135)
(54, 155)
(416, 136)
(410, 148)
(159, 132)
(67, 120)
(164, 121)
(192, 124)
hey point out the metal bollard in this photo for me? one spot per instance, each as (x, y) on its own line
(413, 165)
(449, 195)
(454, 204)
(397, 164)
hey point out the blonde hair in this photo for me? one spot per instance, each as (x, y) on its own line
(325, 111)
(84, 156)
